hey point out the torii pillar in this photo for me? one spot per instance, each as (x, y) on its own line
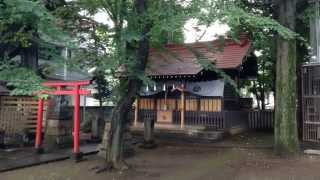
(61, 89)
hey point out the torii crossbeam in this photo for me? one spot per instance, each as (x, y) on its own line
(63, 88)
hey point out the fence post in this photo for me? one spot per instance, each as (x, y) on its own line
(38, 141)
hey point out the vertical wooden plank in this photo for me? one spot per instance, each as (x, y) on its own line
(163, 104)
(206, 105)
(136, 111)
(187, 105)
(202, 104)
(141, 103)
(157, 104)
(152, 103)
(176, 105)
(182, 108)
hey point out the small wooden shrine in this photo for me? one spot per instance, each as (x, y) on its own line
(187, 93)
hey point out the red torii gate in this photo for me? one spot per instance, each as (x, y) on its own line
(61, 89)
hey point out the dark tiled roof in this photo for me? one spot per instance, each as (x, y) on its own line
(72, 75)
(180, 59)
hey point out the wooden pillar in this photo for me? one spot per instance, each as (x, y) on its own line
(38, 140)
(76, 125)
(183, 106)
(155, 110)
(136, 111)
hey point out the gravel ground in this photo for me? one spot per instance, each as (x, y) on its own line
(179, 161)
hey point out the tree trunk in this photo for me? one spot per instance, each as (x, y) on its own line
(299, 102)
(286, 137)
(29, 57)
(129, 89)
(119, 120)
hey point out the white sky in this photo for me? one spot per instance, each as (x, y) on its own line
(192, 31)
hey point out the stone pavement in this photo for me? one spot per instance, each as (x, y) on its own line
(12, 159)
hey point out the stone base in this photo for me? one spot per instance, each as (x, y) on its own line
(59, 128)
(78, 156)
(55, 142)
(58, 134)
(39, 150)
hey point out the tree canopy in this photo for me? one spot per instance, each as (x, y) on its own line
(25, 24)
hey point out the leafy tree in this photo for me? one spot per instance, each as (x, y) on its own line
(285, 53)
(134, 24)
(22, 81)
(24, 26)
(138, 25)
(264, 84)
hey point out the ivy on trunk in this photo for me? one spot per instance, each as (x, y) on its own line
(286, 136)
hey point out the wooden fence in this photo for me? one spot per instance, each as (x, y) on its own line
(11, 121)
(16, 109)
(213, 120)
(261, 119)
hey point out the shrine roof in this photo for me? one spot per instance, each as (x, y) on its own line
(183, 59)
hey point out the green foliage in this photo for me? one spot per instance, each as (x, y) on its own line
(101, 84)
(253, 18)
(24, 23)
(106, 47)
(22, 81)
(21, 19)
(243, 21)
(167, 19)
